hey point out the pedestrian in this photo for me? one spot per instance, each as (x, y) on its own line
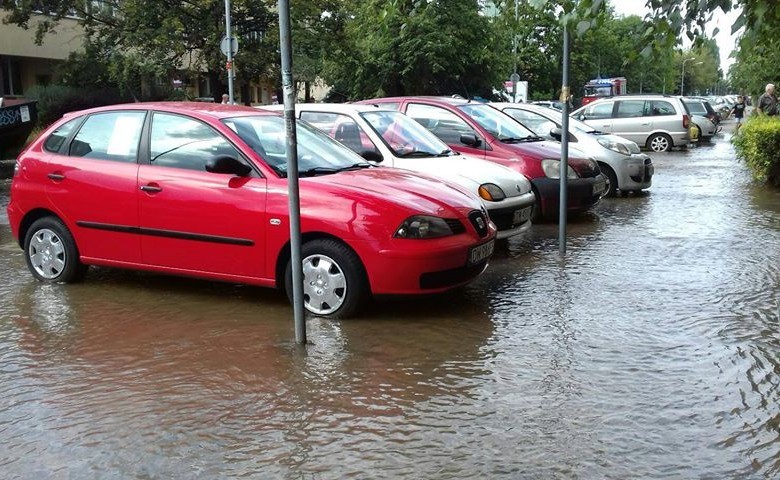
(739, 110)
(767, 103)
(225, 99)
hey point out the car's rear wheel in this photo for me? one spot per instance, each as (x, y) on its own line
(334, 281)
(612, 185)
(659, 142)
(51, 252)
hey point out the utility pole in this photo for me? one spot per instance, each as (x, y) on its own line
(564, 166)
(230, 52)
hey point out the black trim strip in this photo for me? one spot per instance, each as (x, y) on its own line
(154, 232)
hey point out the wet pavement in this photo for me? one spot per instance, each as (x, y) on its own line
(650, 351)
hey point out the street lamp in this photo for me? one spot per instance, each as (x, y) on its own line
(682, 76)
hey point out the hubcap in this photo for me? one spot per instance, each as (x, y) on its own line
(659, 144)
(47, 254)
(324, 284)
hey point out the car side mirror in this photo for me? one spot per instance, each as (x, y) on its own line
(556, 133)
(229, 165)
(470, 139)
(371, 155)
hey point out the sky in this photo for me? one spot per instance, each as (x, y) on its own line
(726, 42)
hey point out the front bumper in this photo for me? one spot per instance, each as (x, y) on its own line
(637, 173)
(511, 215)
(582, 194)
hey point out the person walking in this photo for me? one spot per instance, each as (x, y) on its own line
(767, 103)
(739, 110)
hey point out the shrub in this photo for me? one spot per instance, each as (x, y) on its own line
(56, 100)
(758, 144)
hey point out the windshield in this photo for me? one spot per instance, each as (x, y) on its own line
(498, 124)
(317, 152)
(404, 136)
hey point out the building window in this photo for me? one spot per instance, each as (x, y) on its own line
(12, 77)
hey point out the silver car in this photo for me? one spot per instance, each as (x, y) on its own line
(658, 122)
(626, 168)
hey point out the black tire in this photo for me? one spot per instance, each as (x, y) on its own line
(51, 252)
(341, 280)
(612, 184)
(660, 142)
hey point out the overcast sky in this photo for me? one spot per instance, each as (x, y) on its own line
(720, 20)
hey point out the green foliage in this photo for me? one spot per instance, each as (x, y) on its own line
(56, 100)
(758, 144)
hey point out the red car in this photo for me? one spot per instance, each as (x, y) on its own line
(200, 190)
(482, 131)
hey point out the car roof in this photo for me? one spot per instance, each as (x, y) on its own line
(331, 107)
(202, 109)
(439, 99)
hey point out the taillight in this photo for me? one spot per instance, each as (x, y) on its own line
(686, 122)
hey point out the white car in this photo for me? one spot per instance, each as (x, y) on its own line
(620, 160)
(390, 138)
(707, 128)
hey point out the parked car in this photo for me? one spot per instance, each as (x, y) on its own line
(481, 131)
(658, 122)
(554, 104)
(707, 129)
(200, 189)
(626, 168)
(391, 138)
(700, 106)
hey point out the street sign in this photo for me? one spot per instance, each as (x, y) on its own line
(225, 45)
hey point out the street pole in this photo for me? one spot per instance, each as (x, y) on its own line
(682, 76)
(285, 41)
(514, 77)
(564, 146)
(229, 51)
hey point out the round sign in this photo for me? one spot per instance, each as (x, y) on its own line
(232, 45)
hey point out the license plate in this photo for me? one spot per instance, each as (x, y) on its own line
(481, 252)
(599, 187)
(522, 215)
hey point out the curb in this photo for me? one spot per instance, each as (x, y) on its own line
(7, 168)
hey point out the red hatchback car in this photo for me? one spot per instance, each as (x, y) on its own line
(482, 131)
(200, 190)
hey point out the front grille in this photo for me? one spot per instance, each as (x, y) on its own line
(646, 175)
(479, 221)
(455, 225)
(503, 221)
(451, 277)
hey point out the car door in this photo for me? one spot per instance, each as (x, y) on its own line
(632, 120)
(92, 170)
(194, 220)
(448, 126)
(599, 116)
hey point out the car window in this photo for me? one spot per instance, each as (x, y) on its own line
(498, 123)
(599, 110)
(343, 128)
(539, 124)
(404, 136)
(182, 142)
(58, 136)
(696, 107)
(442, 123)
(631, 109)
(110, 136)
(662, 107)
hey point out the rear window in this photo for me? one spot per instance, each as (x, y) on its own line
(696, 107)
(58, 136)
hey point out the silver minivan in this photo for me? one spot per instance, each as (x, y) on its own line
(658, 122)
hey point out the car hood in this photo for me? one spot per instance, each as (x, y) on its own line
(470, 173)
(544, 149)
(416, 192)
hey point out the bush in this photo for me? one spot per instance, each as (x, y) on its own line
(56, 100)
(758, 144)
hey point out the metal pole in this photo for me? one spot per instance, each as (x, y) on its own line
(564, 146)
(514, 75)
(285, 41)
(230, 51)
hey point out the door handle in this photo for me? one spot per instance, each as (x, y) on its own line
(58, 177)
(151, 188)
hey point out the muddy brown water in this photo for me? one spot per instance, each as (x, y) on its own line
(650, 351)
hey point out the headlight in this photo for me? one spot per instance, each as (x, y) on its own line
(552, 169)
(423, 226)
(614, 146)
(491, 192)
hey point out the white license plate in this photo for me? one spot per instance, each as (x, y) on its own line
(599, 187)
(481, 252)
(522, 215)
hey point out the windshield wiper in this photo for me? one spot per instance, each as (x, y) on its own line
(445, 153)
(311, 172)
(529, 138)
(418, 153)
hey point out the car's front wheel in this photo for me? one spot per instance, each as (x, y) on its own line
(51, 252)
(334, 281)
(659, 142)
(612, 185)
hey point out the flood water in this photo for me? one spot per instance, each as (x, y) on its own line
(651, 351)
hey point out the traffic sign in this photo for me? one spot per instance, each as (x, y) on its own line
(225, 44)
